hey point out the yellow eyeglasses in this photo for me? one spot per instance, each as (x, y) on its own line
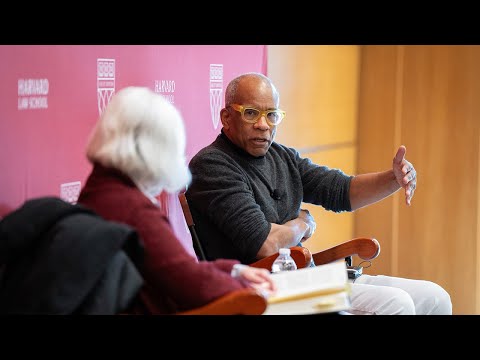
(251, 115)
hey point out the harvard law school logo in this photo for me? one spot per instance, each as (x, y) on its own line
(33, 94)
(105, 82)
(166, 88)
(69, 192)
(216, 89)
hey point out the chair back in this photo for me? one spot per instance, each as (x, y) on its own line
(197, 245)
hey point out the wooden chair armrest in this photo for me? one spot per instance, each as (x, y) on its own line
(239, 302)
(301, 255)
(365, 248)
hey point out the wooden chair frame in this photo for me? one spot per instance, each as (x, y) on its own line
(364, 248)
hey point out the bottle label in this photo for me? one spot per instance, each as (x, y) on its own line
(284, 265)
(275, 268)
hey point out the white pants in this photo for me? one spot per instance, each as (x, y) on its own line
(386, 295)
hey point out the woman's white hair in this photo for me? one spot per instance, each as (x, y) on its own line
(141, 134)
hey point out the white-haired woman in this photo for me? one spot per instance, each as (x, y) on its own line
(137, 149)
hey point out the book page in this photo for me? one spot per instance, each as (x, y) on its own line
(322, 279)
(336, 302)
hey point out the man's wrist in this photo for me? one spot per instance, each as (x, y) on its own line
(308, 231)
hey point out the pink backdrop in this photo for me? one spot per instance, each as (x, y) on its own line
(51, 96)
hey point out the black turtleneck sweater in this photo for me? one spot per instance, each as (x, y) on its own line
(234, 197)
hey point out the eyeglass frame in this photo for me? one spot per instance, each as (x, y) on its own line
(241, 109)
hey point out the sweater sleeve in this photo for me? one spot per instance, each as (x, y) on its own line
(170, 269)
(323, 186)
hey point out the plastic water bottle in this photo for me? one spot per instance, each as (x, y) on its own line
(284, 261)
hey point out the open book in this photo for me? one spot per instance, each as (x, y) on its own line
(319, 289)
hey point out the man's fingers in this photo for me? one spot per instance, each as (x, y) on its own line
(409, 193)
(411, 176)
(400, 155)
(407, 167)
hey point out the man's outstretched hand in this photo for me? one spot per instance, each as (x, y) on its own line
(405, 173)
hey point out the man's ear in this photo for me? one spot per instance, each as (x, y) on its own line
(225, 118)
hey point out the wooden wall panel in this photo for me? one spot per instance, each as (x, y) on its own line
(427, 98)
(318, 90)
(440, 120)
(376, 133)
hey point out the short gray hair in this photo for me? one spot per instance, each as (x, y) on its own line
(141, 134)
(232, 87)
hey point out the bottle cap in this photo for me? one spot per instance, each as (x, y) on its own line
(284, 251)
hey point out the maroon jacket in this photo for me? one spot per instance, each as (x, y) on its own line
(174, 279)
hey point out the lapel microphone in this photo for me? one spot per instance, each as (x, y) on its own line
(275, 194)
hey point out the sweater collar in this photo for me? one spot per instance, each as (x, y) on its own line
(110, 172)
